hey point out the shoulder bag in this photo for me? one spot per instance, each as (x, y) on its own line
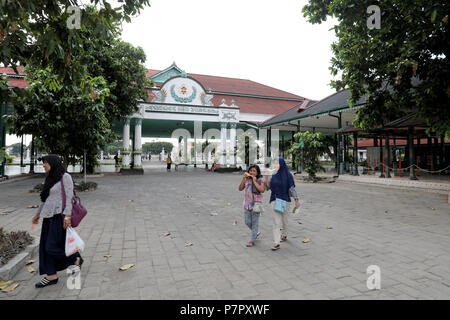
(280, 205)
(78, 211)
(257, 206)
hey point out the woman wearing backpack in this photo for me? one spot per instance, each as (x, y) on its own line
(282, 186)
(52, 256)
(254, 185)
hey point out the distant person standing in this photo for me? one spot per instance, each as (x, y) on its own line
(254, 185)
(169, 162)
(116, 159)
(282, 186)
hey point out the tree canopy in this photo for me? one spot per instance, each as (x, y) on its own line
(80, 80)
(309, 146)
(64, 120)
(156, 147)
(401, 68)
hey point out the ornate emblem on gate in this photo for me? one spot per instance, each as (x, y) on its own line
(229, 116)
(184, 90)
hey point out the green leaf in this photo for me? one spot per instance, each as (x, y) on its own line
(433, 15)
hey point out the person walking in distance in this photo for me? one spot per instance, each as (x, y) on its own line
(52, 256)
(254, 185)
(169, 162)
(282, 187)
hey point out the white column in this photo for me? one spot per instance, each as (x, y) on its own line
(138, 144)
(233, 143)
(197, 137)
(101, 155)
(223, 151)
(126, 145)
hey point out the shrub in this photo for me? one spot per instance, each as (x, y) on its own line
(12, 243)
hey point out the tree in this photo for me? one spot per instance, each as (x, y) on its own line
(401, 68)
(156, 147)
(330, 146)
(108, 58)
(41, 34)
(122, 66)
(309, 147)
(15, 148)
(64, 120)
(113, 148)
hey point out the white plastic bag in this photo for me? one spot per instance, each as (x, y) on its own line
(73, 242)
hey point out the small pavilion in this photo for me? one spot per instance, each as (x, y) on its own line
(399, 145)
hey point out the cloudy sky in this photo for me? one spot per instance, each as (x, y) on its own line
(265, 41)
(269, 42)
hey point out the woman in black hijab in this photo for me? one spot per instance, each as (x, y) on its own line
(52, 256)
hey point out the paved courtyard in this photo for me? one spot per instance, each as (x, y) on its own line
(351, 226)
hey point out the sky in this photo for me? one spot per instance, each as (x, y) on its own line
(269, 42)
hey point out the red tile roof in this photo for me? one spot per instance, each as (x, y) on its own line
(10, 71)
(236, 86)
(255, 105)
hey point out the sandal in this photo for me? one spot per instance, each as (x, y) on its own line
(283, 238)
(275, 247)
(45, 282)
(251, 243)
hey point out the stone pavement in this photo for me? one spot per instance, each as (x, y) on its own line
(404, 232)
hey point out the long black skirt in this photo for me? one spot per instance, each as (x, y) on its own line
(52, 248)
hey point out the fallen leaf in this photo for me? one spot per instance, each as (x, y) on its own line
(165, 234)
(126, 266)
(11, 287)
(329, 227)
(188, 244)
(30, 269)
(107, 256)
(299, 222)
(30, 261)
(306, 240)
(130, 200)
(235, 223)
(214, 213)
(433, 209)
(34, 206)
(229, 203)
(4, 284)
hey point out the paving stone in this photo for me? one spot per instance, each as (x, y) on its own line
(409, 242)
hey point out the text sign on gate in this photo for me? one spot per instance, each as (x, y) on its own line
(180, 109)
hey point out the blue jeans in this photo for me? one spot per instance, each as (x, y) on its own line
(251, 220)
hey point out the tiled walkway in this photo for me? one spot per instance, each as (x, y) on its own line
(351, 226)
